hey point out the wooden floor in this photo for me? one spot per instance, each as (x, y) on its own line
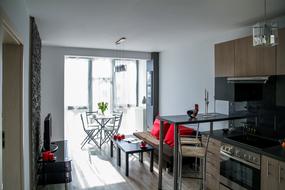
(93, 169)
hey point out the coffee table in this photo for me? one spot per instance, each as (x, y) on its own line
(130, 148)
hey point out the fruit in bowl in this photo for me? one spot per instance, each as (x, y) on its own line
(119, 137)
(143, 144)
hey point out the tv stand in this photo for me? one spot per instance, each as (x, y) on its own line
(59, 170)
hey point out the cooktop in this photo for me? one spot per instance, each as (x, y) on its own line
(254, 141)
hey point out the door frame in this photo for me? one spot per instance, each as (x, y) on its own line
(7, 26)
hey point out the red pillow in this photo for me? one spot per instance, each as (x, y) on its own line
(169, 137)
(155, 129)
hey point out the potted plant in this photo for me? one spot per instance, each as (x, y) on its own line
(102, 106)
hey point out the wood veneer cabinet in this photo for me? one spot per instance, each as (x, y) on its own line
(272, 174)
(213, 165)
(245, 57)
(224, 59)
(239, 58)
(281, 52)
(254, 61)
(266, 61)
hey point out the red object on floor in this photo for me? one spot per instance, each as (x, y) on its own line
(155, 129)
(169, 137)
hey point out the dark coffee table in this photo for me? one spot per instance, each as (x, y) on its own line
(130, 148)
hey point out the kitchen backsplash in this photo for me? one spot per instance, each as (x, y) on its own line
(271, 107)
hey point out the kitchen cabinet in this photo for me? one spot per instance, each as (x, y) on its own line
(245, 57)
(280, 52)
(266, 61)
(213, 165)
(272, 174)
(239, 58)
(224, 59)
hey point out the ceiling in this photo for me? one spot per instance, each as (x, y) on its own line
(148, 25)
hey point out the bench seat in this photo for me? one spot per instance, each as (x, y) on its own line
(148, 138)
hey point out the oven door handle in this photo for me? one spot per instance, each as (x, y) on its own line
(240, 160)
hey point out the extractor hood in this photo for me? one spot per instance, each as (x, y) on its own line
(249, 80)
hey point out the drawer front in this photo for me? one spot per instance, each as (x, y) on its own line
(213, 170)
(222, 187)
(211, 182)
(281, 175)
(214, 146)
(213, 156)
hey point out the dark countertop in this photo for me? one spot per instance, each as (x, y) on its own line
(202, 118)
(276, 152)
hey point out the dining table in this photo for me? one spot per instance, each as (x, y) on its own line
(185, 119)
(102, 120)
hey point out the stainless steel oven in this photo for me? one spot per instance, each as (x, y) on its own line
(239, 168)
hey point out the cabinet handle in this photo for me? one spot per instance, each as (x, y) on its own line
(279, 178)
(267, 168)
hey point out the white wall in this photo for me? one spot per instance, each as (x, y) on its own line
(186, 71)
(52, 82)
(18, 17)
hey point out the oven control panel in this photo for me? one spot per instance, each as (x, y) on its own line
(241, 154)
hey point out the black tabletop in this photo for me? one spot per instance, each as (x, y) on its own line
(131, 147)
(203, 118)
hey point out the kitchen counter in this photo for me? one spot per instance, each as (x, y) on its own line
(276, 152)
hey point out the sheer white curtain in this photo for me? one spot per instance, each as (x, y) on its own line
(125, 85)
(102, 82)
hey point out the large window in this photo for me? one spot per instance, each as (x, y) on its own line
(102, 81)
(76, 89)
(93, 80)
(125, 83)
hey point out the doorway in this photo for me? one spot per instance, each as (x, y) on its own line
(11, 108)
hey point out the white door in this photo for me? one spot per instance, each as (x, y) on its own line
(12, 117)
(11, 110)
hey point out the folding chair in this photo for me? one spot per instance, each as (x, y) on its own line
(89, 129)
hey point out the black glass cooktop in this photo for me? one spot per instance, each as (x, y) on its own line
(255, 141)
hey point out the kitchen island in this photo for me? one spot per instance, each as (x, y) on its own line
(185, 119)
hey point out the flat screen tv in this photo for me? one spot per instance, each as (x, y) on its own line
(47, 132)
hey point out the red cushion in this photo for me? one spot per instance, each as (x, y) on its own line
(155, 129)
(169, 137)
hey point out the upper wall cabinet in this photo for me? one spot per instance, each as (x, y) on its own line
(253, 61)
(224, 59)
(245, 57)
(281, 52)
(240, 58)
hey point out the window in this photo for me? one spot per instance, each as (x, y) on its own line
(125, 83)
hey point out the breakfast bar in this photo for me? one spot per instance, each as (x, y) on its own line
(185, 119)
